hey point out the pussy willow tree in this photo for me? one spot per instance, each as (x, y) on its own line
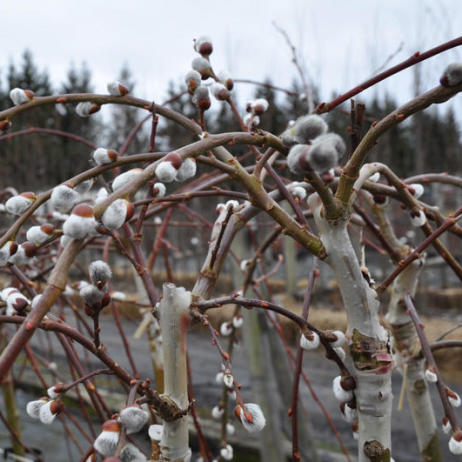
(334, 188)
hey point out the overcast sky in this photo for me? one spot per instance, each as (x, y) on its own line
(340, 42)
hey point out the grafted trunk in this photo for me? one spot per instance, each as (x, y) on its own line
(369, 340)
(174, 319)
(407, 346)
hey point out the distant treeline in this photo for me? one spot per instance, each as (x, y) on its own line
(429, 142)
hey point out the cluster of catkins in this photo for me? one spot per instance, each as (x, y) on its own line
(201, 71)
(133, 418)
(311, 146)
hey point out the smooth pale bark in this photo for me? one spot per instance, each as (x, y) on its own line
(369, 340)
(174, 318)
(407, 347)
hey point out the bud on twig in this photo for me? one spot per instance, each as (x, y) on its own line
(203, 45)
(17, 205)
(103, 156)
(86, 109)
(80, 223)
(63, 198)
(308, 127)
(40, 234)
(251, 417)
(20, 96)
(107, 440)
(452, 75)
(193, 80)
(115, 88)
(133, 418)
(117, 214)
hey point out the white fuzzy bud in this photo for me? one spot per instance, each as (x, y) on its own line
(17, 205)
(293, 159)
(309, 344)
(107, 440)
(7, 251)
(203, 45)
(259, 106)
(455, 444)
(340, 339)
(225, 78)
(124, 178)
(201, 98)
(230, 429)
(452, 75)
(226, 329)
(297, 191)
(155, 432)
(16, 301)
(232, 204)
(340, 393)
(228, 380)
(19, 258)
(308, 127)
(33, 407)
(91, 295)
(350, 414)
(101, 195)
(99, 271)
(160, 188)
(325, 152)
(418, 218)
(39, 234)
(217, 412)
(166, 172)
(453, 398)
(430, 375)
(103, 156)
(86, 108)
(80, 223)
(253, 420)
(417, 189)
(115, 88)
(187, 170)
(63, 198)
(6, 292)
(251, 120)
(193, 80)
(20, 96)
(133, 418)
(117, 214)
(446, 426)
(48, 412)
(52, 393)
(227, 452)
(220, 92)
(202, 66)
(238, 321)
(219, 378)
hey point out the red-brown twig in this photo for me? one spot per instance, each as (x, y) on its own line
(414, 59)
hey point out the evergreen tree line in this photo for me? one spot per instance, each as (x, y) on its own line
(430, 143)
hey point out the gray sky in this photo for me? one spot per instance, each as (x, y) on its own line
(340, 42)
